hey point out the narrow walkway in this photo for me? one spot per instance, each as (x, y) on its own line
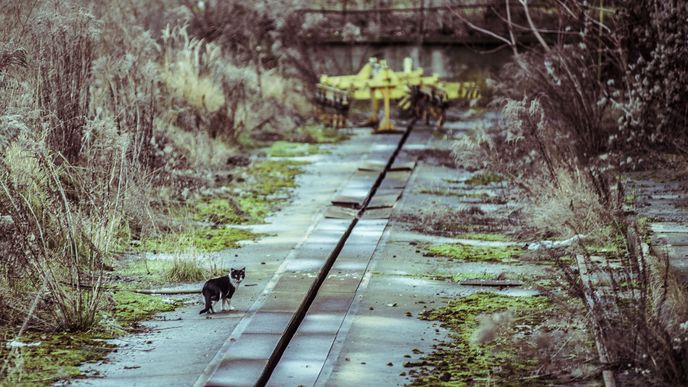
(665, 204)
(256, 345)
(177, 346)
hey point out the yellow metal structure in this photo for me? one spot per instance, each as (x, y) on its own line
(424, 96)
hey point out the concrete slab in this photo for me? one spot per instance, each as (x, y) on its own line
(669, 227)
(335, 212)
(384, 199)
(323, 323)
(253, 346)
(377, 213)
(403, 165)
(237, 372)
(674, 239)
(269, 322)
(378, 166)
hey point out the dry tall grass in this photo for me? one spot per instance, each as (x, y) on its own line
(562, 137)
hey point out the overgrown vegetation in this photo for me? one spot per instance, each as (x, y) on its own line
(575, 112)
(500, 339)
(112, 116)
(468, 253)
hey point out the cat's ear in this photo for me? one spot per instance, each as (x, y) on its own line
(243, 268)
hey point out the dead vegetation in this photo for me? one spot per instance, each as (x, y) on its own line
(570, 123)
(111, 114)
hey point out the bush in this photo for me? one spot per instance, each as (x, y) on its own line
(652, 34)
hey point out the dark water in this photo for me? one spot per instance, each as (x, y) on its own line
(446, 60)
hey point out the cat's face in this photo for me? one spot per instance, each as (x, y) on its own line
(237, 275)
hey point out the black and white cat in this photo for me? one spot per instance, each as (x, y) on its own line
(222, 288)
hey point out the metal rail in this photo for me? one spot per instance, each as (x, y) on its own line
(223, 369)
(312, 293)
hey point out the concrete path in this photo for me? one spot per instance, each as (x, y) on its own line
(665, 203)
(180, 344)
(362, 326)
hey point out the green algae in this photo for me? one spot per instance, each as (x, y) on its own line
(462, 361)
(291, 149)
(468, 253)
(484, 179)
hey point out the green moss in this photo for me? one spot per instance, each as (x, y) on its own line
(629, 199)
(57, 357)
(464, 362)
(217, 210)
(458, 277)
(462, 252)
(441, 192)
(320, 134)
(145, 271)
(485, 237)
(484, 179)
(273, 176)
(268, 178)
(59, 354)
(291, 149)
(130, 307)
(201, 239)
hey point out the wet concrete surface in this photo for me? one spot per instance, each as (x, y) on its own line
(180, 344)
(665, 203)
(226, 368)
(363, 325)
(381, 330)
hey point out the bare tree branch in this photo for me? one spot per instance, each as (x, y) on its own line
(524, 3)
(511, 27)
(479, 29)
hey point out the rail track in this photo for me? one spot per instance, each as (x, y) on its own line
(299, 315)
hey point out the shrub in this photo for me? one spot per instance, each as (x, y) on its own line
(65, 50)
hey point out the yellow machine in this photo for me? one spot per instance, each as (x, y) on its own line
(422, 96)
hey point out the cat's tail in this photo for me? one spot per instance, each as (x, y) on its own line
(208, 305)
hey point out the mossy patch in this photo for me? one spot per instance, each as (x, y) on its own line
(262, 193)
(465, 362)
(484, 179)
(57, 356)
(441, 192)
(291, 149)
(272, 176)
(467, 253)
(256, 197)
(130, 307)
(52, 356)
(200, 239)
(319, 134)
(492, 237)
